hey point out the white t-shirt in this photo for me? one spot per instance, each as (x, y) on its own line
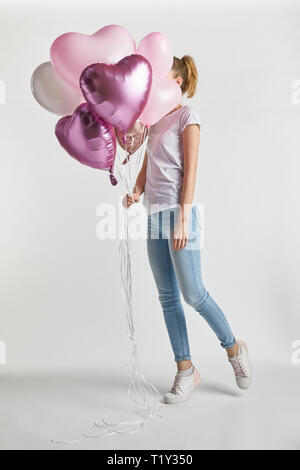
(164, 174)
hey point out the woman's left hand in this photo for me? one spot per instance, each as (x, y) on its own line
(181, 234)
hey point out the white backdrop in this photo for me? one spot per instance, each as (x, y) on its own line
(60, 299)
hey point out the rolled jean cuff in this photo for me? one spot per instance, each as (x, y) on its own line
(183, 358)
(230, 345)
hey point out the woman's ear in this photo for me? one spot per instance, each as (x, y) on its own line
(179, 80)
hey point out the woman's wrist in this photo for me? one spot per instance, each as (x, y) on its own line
(138, 190)
(185, 212)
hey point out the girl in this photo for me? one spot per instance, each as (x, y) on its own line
(167, 179)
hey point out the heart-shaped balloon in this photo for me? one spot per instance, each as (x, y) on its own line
(52, 92)
(88, 139)
(157, 48)
(165, 94)
(134, 137)
(118, 93)
(70, 53)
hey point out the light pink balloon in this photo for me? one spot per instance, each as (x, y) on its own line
(157, 48)
(165, 94)
(70, 53)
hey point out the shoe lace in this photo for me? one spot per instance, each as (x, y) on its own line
(176, 386)
(239, 368)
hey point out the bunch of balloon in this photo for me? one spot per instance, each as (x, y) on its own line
(115, 92)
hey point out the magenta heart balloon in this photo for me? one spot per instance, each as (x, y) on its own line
(88, 139)
(118, 92)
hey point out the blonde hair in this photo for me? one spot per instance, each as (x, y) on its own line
(186, 68)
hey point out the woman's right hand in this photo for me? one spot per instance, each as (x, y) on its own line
(129, 200)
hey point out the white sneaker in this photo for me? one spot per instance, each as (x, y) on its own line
(242, 366)
(182, 387)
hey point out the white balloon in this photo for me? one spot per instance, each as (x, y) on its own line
(52, 92)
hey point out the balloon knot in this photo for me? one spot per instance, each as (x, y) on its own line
(113, 179)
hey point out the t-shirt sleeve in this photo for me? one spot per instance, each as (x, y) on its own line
(189, 116)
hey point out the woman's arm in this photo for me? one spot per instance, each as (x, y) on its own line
(191, 140)
(141, 179)
(139, 185)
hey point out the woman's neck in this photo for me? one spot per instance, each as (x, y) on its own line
(175, 109)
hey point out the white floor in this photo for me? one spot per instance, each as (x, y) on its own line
(36, 407)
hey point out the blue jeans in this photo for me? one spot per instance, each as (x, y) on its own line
(180, 271)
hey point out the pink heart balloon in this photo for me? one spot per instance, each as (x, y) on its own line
(157, 48)
(88, 139)
(70, 53)
(133, 139)
(118, 93)
(165, 94)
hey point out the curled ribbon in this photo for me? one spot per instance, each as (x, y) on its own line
(142, 392)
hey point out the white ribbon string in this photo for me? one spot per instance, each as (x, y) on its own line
(142, 392)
